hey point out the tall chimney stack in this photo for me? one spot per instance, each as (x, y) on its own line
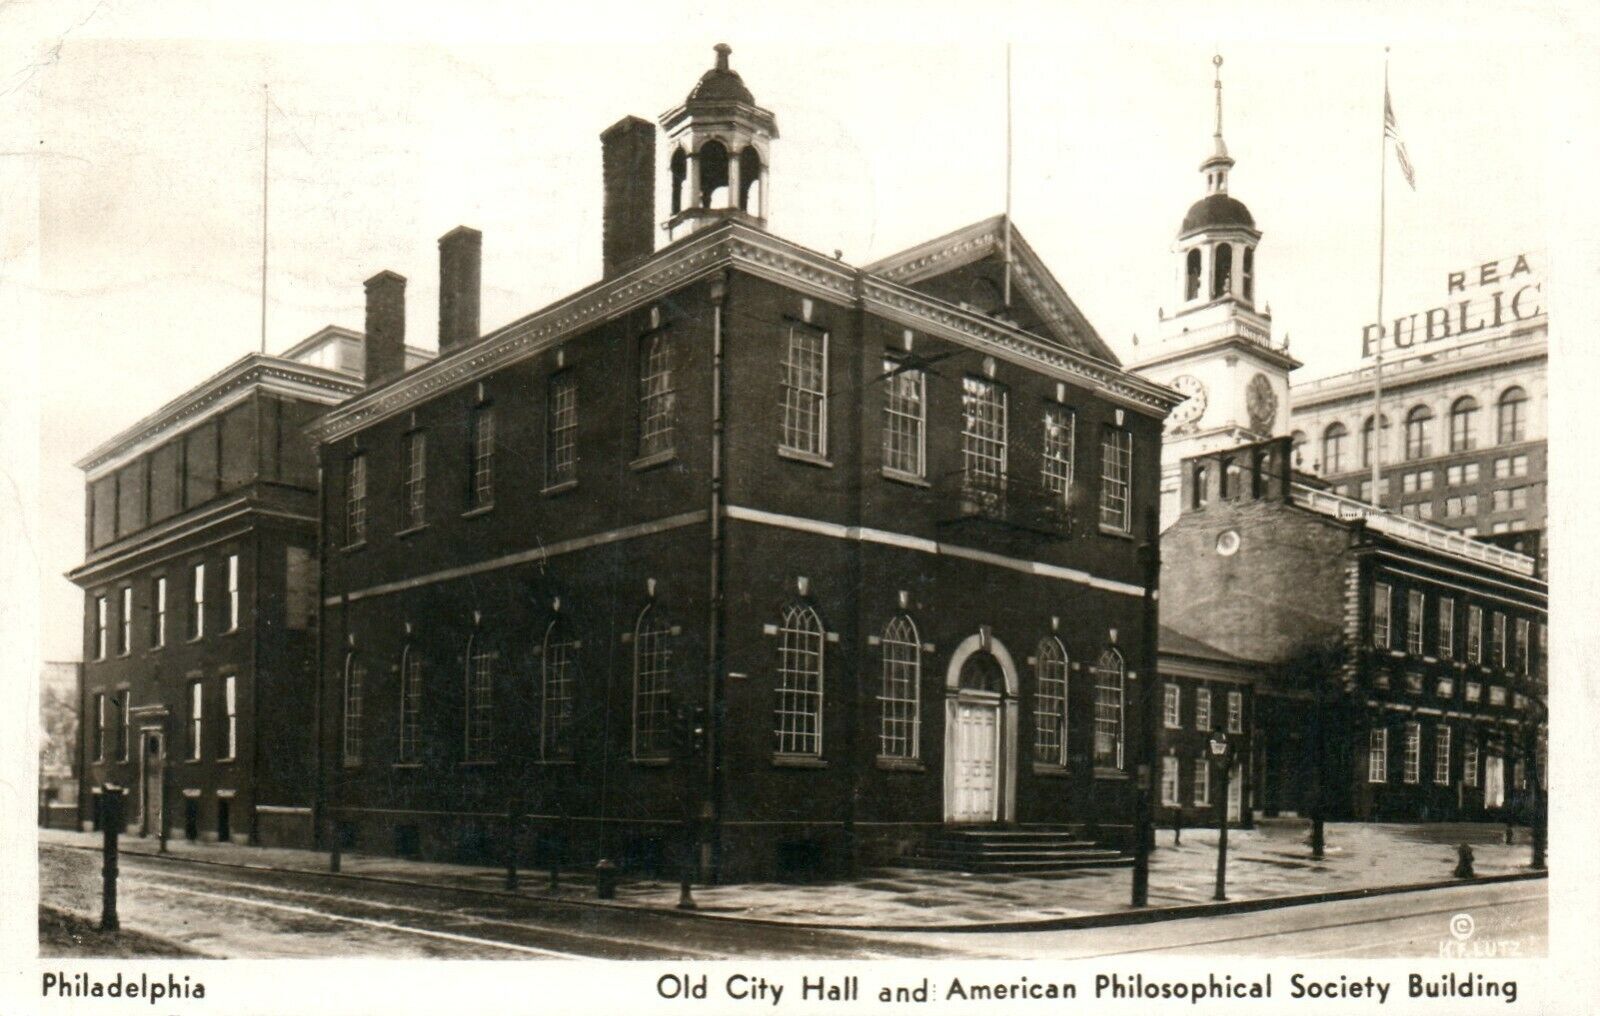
(460, 278)
(628, 167)
(386, 327)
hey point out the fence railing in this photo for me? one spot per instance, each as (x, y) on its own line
(1413, 531)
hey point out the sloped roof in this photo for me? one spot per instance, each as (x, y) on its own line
(1064, 321)
(1179, 644)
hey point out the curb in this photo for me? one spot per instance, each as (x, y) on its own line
(1111, 919)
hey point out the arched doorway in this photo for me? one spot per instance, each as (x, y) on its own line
(980, 754)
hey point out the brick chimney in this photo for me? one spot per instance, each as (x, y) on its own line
(460, 277)
(386, 327)
(628, 168)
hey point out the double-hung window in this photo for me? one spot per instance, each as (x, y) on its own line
(101, 608)
(561, 429)
(652, 676)
(1056, 452)
(805, 391)
(1108, 710)
(197, 601)
(410, 705)
(1497, 640)
(1202, 781)
(1171, 706)
(1447, 628)
(558, 663)
(99, 741)
(1524, 661)
(196, 728)
(233, 592)
(1169, 781)
(355, 675)
(414, 491)
(1116, 480)
(1469, 761)
(1474, 634)
(1202, 709)
(657, 397)
(1378, 755)
(983, 438)
(482, 662)
(904, 419)
(1382, 602)
(125, 622)
(230, 717)
(355, 500)
(481, 493)
(1235, 712)
(1416, 609)
(1412, 771)
(1441, 754)
(158, 612)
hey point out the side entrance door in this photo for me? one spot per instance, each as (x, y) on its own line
(153, 760)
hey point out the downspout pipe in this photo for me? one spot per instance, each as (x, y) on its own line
(711, 808)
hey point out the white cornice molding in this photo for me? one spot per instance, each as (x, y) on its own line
(761, 254)
(214, 395)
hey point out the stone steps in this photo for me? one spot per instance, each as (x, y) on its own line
(997, 850)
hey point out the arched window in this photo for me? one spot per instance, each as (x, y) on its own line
(1050, 703)
(410, 705)
(1464, 424)
(1333, 448)
(482, 662)
(355, 676)
(1367, 445)
(1247, 268)
(1191, 275)
(558, 685)
(680, 179)
(713, 162)
(1513, 417)
(1297, 441)
(1108, 710)
(1419, 433)
(799, 686)
(1222, 271)
(652, 684)
(750, 181)
(1202, 476)
(982, 672)
(899, 694)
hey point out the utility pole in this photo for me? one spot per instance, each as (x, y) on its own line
(1149, 553)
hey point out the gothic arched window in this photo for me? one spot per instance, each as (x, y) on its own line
(799, 685)
(899, 693)
(410, 705)
(652, 684)
(482, 662)
(1108, 710)
(1050, 703)
(558, 685)
(355, 676)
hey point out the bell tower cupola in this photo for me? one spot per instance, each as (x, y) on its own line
(720, 143)
(1218, 238)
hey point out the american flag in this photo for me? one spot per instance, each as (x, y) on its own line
(1392, 130)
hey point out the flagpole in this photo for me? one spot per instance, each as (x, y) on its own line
(1376, 446)
(1006, 294)
(265, 99)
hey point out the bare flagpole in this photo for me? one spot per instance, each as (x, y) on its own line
(1375, 447)
(265, 99)
(1006, 294)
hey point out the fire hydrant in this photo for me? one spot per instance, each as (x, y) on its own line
(605, 879)
(1464, 862)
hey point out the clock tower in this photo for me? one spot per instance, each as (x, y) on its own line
(1215, 346)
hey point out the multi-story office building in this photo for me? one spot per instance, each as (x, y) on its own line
(873, 532)
(200, 586)
(1404, 664)
(1465, 402)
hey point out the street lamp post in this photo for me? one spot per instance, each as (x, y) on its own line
(1221, 750)
(1149, 554)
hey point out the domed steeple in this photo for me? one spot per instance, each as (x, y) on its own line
(1217, 241)
(721, 142)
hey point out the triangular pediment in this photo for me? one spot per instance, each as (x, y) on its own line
(967, 267)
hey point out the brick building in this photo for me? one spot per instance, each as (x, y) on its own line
(873, 531)
(1403, 662)
(1203, 690)
(200, 587)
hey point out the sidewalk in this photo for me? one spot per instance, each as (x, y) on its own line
(1267, 862)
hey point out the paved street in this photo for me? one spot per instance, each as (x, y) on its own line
(218, 910)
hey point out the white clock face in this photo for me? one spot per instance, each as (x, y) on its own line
(1189, 411)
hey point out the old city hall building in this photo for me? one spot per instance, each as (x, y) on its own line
(873, 533)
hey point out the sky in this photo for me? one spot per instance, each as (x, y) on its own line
(387, 131)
